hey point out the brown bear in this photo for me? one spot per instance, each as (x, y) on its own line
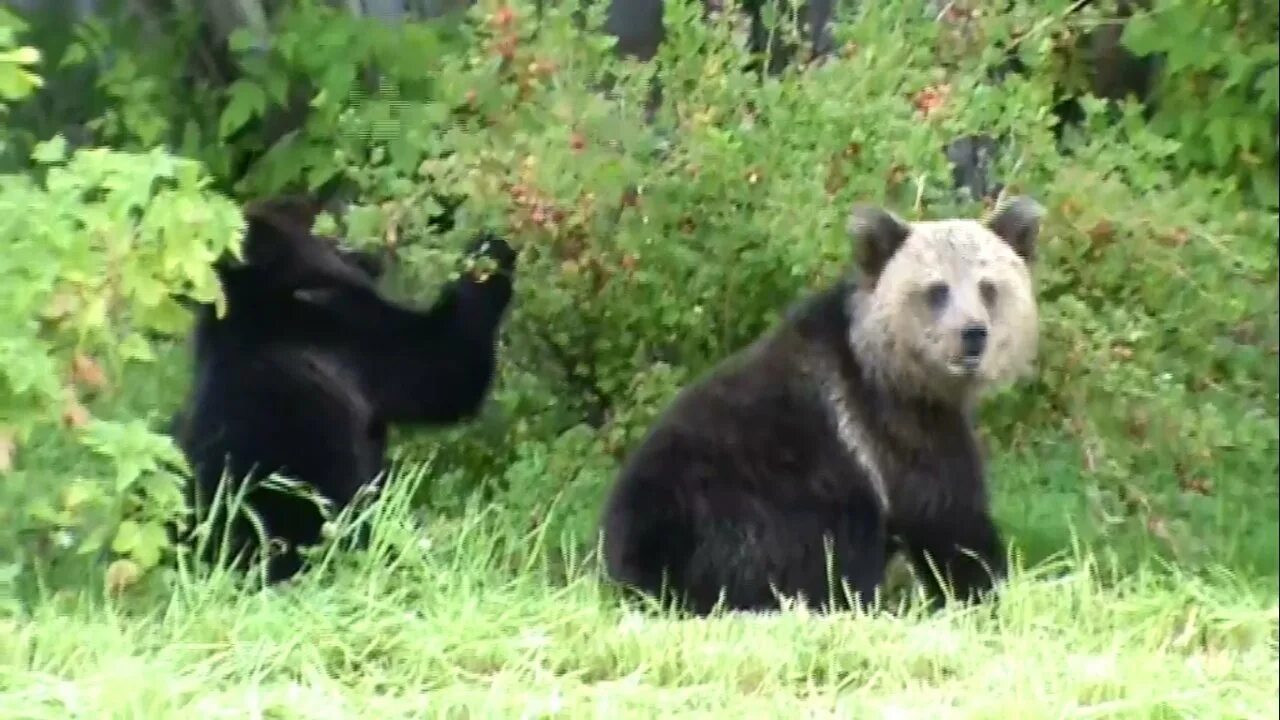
(845, 434)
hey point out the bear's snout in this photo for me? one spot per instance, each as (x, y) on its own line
(973, 342)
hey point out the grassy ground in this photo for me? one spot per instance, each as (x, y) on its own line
(450, 628)
(461, 619)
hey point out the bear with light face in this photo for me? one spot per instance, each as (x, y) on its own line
(843, 436)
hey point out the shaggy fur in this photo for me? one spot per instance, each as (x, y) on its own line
(847, 429)
(310, 365)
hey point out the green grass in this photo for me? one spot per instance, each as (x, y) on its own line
(466, 619)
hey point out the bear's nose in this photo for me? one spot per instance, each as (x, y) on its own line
(973, 341)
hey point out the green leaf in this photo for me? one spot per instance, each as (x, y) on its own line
(242, 39)
(93, 541)
(135, 347)
(247, 100)
(75, 54)
(20, 56)
(364, 222)
(17, 83)
(78, 494)
(149, 545)
(1265, 186)
(127, 537)
(53, 150)
(1221, 144)
(277, 86)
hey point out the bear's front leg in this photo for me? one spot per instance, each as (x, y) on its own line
(965, 552)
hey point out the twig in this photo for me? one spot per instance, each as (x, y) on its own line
(584, 381)
(1045, 23)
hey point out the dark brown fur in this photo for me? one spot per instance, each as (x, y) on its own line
(745, 484)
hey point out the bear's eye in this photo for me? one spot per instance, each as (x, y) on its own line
(936, 295)
(988, 290)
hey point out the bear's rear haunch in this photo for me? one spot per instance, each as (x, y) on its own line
(842, 436)
(310, 365)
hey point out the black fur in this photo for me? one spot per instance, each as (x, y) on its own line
(310, 365)
(744, 482)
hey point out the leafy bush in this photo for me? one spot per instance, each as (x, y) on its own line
(94, 250)
(1220, 90)
(16, 79)
(650, 251)
(95, 243)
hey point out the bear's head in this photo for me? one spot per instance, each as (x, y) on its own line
(945, 308)
(281, 256)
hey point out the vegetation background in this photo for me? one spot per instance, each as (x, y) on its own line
(1136, 476)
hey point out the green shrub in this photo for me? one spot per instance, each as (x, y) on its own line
(94, 249)
(1220, 89)
(94, 242)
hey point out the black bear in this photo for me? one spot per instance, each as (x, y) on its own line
(310, 364)
(845, 433)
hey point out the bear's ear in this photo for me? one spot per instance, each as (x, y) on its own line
(877, 234)
(1016, 220)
